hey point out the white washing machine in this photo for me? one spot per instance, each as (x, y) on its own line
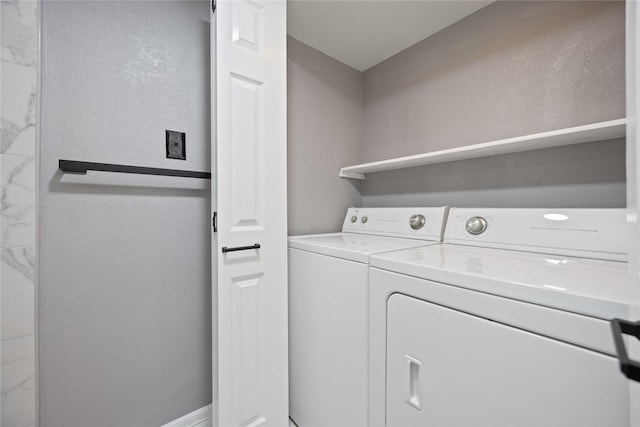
(505, 324)
(328, 309)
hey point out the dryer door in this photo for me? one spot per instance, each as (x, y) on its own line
(449, 368)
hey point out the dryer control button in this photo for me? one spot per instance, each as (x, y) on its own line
(417, 221)
(476, 225)
(354, 218)
(364, 219)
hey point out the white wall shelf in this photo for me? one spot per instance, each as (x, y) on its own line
(557, 138)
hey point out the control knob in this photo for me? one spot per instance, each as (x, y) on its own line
(364, 219)
(476, 225)
(354, 218)
(417, 221)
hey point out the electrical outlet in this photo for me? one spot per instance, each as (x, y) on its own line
(176, 145)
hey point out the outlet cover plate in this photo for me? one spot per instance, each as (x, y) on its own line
(176, 145)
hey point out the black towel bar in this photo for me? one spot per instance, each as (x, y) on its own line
(74, 166)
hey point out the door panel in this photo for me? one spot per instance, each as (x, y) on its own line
(250, 295)
(246, 153)
(248, 350)
(247, 30)
(449, 368)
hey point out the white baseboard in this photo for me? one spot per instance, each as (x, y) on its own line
(198, 418)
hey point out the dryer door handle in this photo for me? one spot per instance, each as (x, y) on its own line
(414, 395)
(630, 368)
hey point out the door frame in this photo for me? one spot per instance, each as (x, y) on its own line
(632, 46)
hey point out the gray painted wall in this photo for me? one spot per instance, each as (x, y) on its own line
(324, 100)
(510, 69)
(589, 175)
(125, 283)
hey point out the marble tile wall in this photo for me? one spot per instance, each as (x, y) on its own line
(18, 107)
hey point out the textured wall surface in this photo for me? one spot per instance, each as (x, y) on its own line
(125, 290)
(18, 112)
(510, 69)
(324, 132)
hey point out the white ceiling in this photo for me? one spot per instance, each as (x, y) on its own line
(362, 33)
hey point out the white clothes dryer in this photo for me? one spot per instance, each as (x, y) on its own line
(505, 324)
(328, 309)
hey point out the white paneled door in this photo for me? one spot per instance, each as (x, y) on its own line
(249, 196)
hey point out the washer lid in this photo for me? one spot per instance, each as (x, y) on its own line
(351, 246)
(592, 287)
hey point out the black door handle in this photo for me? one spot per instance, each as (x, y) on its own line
(630, 368)
(240, 248)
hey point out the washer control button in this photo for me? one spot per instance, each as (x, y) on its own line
(354, 218)
(364, 219)
(417, 221)
(476, 225)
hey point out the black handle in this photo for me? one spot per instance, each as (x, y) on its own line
(240, 248)
(74, 166)
(630, 368)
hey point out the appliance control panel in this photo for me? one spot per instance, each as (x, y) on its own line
(412, 223)
(589, 233)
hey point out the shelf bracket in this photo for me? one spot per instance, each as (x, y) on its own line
(351, 175)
